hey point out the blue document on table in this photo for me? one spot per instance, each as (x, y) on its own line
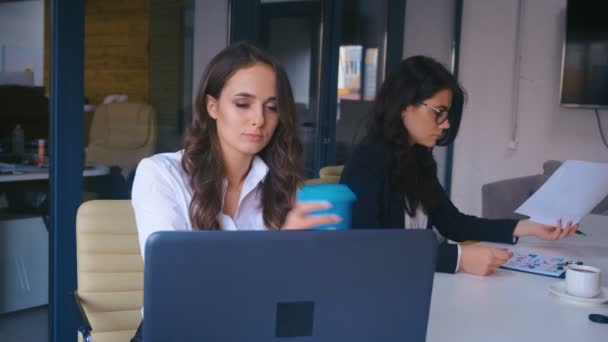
(538, 264)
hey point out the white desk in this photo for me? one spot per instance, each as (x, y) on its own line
(24, 274)
(514, 306)
(92, 171)
(24, 264)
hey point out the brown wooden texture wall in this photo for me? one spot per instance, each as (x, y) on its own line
(116, 49)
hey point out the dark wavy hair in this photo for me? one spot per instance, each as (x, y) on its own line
(414, 80)
(202, 160)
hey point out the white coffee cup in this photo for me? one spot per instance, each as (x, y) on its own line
(583, 281)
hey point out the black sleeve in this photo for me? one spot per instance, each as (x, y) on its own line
(364, 175)
(447, 256)
(457, 226)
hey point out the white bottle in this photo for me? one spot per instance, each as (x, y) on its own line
(18, 141)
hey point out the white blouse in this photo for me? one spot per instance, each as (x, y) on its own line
(419, 221)
(161, 197)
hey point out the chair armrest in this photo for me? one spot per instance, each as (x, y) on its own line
(85, 327)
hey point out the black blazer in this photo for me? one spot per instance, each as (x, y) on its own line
(379, 205)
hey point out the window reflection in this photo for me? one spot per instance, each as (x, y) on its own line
(24, 238)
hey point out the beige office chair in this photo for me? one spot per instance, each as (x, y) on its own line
(110, 271)
(122, 134)
(327, 175)
(331, 172)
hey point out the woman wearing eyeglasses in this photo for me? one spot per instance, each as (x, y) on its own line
(394, 174)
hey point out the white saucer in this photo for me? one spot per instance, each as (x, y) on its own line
(559, 289)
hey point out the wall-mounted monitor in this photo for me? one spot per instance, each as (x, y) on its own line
(584, 80)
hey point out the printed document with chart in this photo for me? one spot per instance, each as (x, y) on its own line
(570, 193)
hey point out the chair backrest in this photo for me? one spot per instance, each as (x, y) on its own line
(327, 175)
(110, 268)
(122, 134)
(331, 171)
(122, 125)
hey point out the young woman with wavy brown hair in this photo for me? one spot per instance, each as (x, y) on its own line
(241, 163)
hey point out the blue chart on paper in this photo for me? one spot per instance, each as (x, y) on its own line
(537, 264)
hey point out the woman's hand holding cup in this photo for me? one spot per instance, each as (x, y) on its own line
(323, 207)
(300, 216)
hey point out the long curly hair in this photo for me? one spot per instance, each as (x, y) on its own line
(414, 169)
(202, 159)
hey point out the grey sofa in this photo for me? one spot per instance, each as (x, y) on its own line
(500, 199)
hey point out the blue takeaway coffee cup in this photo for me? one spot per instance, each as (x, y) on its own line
(339, 195)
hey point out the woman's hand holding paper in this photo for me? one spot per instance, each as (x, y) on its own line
(545, 232)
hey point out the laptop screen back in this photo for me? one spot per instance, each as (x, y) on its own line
(363, 285)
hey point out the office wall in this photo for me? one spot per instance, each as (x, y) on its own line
(22, 37)
(546, 131)
(429, 30)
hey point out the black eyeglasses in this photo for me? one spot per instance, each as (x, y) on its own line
(440, 115)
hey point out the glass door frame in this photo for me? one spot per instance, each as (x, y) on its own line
(331, 31)
(449, 163)
(66, 140)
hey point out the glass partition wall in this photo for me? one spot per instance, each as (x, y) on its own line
(291, 32)
(24, 127)
(336, 54)
(361, 70)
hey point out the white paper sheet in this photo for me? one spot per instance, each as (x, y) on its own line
(569, 194)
